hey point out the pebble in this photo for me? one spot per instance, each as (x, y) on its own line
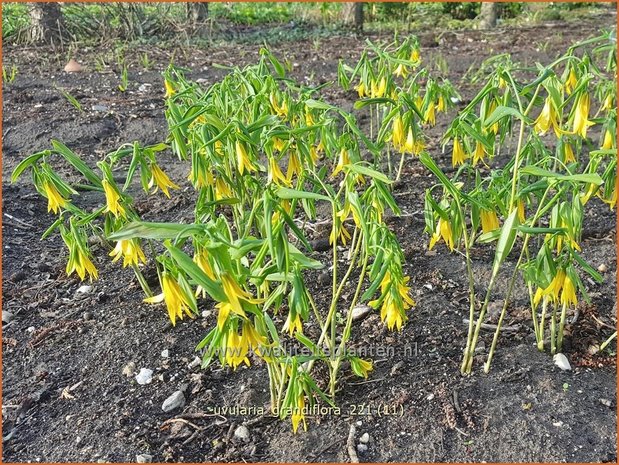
(562, 362)
(129, 369)
(72, 66)
(84, 290)
(195, 363)
(360, 311)
(176, 400)
(362, 448)
(242, 433)
(87, 316)
(145, 376)
(7, 316)
(602, 268)
(206, 313)
(165, 353)
(606, 402)
(365, 438)
(359, 423)
(144, 458)
(101, 108)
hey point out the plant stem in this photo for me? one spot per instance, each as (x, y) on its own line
(561, 327)
(143, 284)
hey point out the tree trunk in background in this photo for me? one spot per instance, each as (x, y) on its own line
(352, 15)
(197, 12)
(46, 23)
(488, 15)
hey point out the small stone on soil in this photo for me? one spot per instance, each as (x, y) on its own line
(144, 458)
(129, 369)
(562, 362)
(145, 376)
(84, 290)
(195, 363)
(606, 402)
(365, 438)
(176, 400)
(165, 353)
(360, 312)
(242, 433)
(101, 108)
(7, 316)
(602, 268)
(362, 448)
(87, 316)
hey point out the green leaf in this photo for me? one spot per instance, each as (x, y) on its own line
(501, 112)
(77, 162)
(506, 240)
(157, 231)
(371, 101)
(288, 194)
(26, 163)
(364, 170)
(589, 178)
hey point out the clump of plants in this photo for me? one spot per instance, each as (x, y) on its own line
(530, 206)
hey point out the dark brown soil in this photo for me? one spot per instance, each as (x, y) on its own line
(415, 405)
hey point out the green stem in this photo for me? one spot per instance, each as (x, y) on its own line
(143, 284)
(561, 327)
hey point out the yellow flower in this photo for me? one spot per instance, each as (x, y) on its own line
(443, 230)
(235, 294)
(292, 325)
(340, 232)
(409, 145)
(378, 90)
(547, 119)
(130, 250)
(401, 71)
(397, 132)
(612, 201)
(361, 90)
(458, 156)
(581, 116)
(298, 414)
(568, 295)
(396, 300)
(175, 299)
(555, 286)
(608, 140)
(237, 347)
(415, 56)
(279, 110)
(361, 367)
(608, 103)
(479, 153)
(429, 115)
(160, 180)
(278, 144)
(568, 153)
(242, 159)
(55, 201)
(275, 174)
(222, 191)
(294, 166)
(521, 213)
(169, 89)
(343, 160)
(584, 197)
(309, 120)
(489, 221)
(200, 258)
(80, 263)
(440, 105)
(112, 198)
(571, 81)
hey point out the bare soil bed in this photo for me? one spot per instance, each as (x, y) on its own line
(66, 398)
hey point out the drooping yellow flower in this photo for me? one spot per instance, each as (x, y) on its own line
(279, 110)
(55, 201)
(396, 300)
(200, 258)
(242, 159)
(458, 156)
(377, 90)
(361, 90)
(584, 197)
(309, 120)
(612, 201)
(571, 82)
(608, 140)
(581, 116)
(521, 213)
(298, 414)
(568, 153)
(112, 199)
(397, 132)
(169, 89)
(415, 55)
(177, 303)
(294, 166)
(278, 144)
(344, 159)
(222, 190)
(554, 288)
(479, 153)
(160, 180)
(400, 71)
(443, 230)
(79, 262)
(409, 145)
(429, 116)
(361, 367)
(237, 348)
(547, 119)
(235, 294)
(339, 232)
(292, 325)
(275, 173)
(440, 105)
(608, 103)
(130, 250)
(568, 294)
(489, 221)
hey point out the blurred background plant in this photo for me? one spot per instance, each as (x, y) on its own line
(61, 24)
